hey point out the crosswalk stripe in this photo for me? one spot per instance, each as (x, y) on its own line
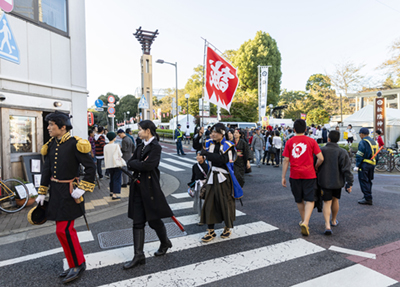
(178, 162)
(180, 195)
(171, 167)
(124, 254)
(185, 158)
(227, 266)
(354, 276)
(194, 218)
(83, 236)
(181, 205)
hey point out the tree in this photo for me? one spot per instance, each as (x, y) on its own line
(261, 51)
(292, 99)
(318, 115)
(347, 77)
(392, 65)
(244, 107)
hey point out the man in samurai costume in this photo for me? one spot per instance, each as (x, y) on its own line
(63, 154)
(221, 186)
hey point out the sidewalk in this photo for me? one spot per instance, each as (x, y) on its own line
(96, 202)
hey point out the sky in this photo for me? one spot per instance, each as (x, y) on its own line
(312, 36)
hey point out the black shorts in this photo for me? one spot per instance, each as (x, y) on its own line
(303, 189)
(327, 194)
(350, 140)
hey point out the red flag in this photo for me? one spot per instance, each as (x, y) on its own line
(221, 80)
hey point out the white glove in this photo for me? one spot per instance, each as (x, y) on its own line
(355, 168)
(77, 193)
(40, 199)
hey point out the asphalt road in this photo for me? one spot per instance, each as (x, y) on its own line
(265, 249)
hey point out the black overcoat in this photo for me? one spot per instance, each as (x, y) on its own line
(62, 160)
(145, 167)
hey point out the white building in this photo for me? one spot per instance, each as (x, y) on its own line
(51, 75)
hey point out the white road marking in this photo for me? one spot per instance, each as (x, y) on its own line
(185, 158)
(353, 276)
(194, 218)
(170, 167)
(83, 236)
(181, 205)
(181, 195)
(352, 252)
(124, 254)
(225, 267)
(178, 162)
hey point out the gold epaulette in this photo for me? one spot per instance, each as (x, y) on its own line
(82, 145)
(86, 186)
(43, 190)
(45, 147)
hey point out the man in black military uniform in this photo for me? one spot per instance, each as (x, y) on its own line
(365, 165)
(63, 154)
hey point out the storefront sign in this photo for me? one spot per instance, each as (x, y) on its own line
(380, 115)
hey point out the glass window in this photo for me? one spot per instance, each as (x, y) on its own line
(25, 8)
(22, 134)
(46, 13)
(53, 13)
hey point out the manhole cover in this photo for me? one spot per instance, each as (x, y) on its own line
(124, 237)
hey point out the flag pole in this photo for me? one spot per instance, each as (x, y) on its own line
(204, 69)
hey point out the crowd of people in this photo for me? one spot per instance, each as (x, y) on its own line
(223, 157)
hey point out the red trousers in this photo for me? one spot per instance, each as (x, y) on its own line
(68, 238)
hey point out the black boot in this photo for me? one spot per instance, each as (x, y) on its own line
(165, 242)
(74, 273)
(138, 244)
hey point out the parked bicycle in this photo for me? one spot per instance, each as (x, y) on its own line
(12, 192)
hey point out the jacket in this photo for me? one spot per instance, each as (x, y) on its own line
(145, 168)
(364, 150)
(100, 142)
(335, 170)
(127, 148)
(62, 160)
(258, 142)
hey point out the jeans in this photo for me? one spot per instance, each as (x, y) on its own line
(278, 153)
(115, 179)
(179, 147)
(99, 170)
(258, 156)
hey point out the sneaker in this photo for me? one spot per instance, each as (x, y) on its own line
(227, 232)
(209, 236)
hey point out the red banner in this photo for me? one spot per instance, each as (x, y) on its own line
(221, 80)
(380, 115)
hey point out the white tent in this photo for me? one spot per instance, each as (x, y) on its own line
(183, 120)
(365, 118)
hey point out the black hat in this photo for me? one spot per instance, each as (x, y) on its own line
(111, 136)
(120, 131)
(37, 215)
(59, 117)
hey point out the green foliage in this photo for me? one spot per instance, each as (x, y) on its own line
(318, 115)
(292, 99)
(261, 51)
(244, 106)
(123, 105)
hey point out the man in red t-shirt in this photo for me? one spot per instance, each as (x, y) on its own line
(299, 151)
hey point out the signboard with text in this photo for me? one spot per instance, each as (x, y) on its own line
(380, 115)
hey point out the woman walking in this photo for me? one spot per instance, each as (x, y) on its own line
(147, 202)
(113, 161)
(242, 149)
(277, 144)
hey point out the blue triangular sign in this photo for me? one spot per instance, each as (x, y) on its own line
(143, 104)
(8, 46)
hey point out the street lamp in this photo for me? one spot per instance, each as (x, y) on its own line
(159, 61)
(187, 110)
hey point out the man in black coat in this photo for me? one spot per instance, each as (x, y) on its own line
(334, 172)
(63, 155)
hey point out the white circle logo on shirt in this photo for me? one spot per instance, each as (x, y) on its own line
(298, 149)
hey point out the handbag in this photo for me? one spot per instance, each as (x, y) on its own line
(272, 149)
(118, 160)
